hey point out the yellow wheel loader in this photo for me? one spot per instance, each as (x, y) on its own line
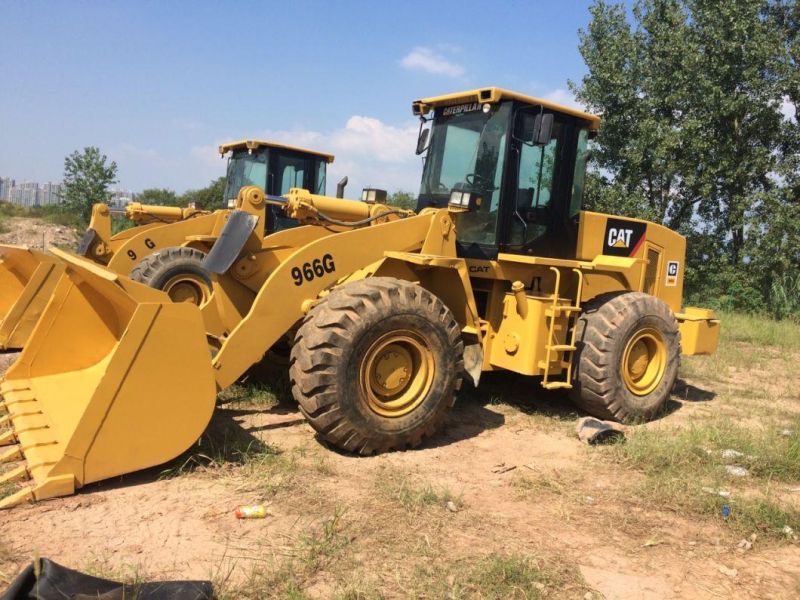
(167, 245)
(498, 269)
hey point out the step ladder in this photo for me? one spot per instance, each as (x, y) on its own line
(562, 314)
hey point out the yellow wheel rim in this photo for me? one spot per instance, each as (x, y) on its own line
(644, 361)
(396, 373)
(187, 287)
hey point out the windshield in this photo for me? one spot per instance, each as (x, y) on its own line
(245, 169)
(467, 152)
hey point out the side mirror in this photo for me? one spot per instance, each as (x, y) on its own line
(542, 129)
(422, 141)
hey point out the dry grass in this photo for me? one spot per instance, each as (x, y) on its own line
(753, 422)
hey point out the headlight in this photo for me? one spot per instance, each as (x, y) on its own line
(373, 195)
(231, 203)
(459, 198)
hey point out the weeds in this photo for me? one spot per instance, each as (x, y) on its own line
(288, 575)
(259, 395)
(514, 576)
(759, 331)
(414, 498)
(685, 469)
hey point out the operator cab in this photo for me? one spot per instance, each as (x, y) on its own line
(275, 168)
(516, 162)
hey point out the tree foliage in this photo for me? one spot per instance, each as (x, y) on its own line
(695, 135)
(158, 196)
(87, 179)
(402, 199)
(210, 197)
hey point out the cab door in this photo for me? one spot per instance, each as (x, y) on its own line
(542, 218)
(288, 170)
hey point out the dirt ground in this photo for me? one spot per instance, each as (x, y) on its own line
(507, 477)
(179, 523)
(35, 233)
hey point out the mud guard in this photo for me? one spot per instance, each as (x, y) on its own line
(227, 248)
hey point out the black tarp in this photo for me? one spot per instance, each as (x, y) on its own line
(59, 583)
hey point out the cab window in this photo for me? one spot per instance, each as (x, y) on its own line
(322, 166)
(537, 169)
(579, 177)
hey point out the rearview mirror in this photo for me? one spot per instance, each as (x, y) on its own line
(542, 129)
(422, 141)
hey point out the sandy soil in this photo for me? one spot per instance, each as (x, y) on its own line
(36, 233)
(521, 481)
(183, 526)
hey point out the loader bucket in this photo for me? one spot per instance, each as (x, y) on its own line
(27, 280)
(115, 378)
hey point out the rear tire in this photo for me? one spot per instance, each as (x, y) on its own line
(178, 272)
(627, 357)
(376, 364)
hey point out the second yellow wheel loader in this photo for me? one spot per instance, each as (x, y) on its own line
(499, 269)
(167, 245)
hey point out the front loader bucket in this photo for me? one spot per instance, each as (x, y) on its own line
(27, 280)
(115, 378)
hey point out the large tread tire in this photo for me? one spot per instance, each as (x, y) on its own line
(331, 344)
(160, 268)
(603, 330)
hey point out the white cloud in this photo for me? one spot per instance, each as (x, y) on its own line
(788, 109)
(367, 150)
(430, 61)
(563, 96)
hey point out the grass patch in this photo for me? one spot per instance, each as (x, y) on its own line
(256, 394)
(759, 331)
(6, 490)
(414, 497)
(495, 576)
(548, 484)
(290, 573)
(226, 449)
(679, 464)
(767, 453)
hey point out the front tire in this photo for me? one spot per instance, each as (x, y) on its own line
(376, 364)
(178, 272)
(627, 357)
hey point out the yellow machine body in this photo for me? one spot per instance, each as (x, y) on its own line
(116, 377)
(157, 228)
(112, 364)
(27, 280)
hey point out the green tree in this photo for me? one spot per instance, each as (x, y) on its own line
(402, 199)
(210, 197)
(87, 178)
(160, 196)
(693, 134)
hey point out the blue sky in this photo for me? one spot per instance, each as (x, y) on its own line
(157, 85)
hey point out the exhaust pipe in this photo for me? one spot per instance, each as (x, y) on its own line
(340, 187)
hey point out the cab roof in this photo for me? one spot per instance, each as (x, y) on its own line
(495, 94)
(255, 144)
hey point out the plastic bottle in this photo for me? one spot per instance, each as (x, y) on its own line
(253, 511)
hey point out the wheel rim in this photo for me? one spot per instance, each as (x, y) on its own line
(644, 361)
(187, 288)
(396, 373)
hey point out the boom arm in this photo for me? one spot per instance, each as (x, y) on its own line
(146, 213)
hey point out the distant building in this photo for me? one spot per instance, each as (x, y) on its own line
(24, 194)
(31, 194)
(120, 198)
(6, 183)
(51, 193)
